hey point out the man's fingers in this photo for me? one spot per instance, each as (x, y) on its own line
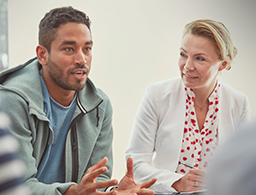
(104, 184)
(92, 175)
(98, 165)
(144, 191)
(148, 183)
(106, 193)
(101, 163)
(129, 166)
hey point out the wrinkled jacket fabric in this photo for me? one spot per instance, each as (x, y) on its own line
(90, 134)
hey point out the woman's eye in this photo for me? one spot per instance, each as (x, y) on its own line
(182, 54)
(200, 59)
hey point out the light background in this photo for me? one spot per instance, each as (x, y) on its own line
(136, 42)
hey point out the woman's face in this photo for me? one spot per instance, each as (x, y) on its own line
(199, 63)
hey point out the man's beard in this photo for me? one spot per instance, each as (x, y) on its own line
(58, 76)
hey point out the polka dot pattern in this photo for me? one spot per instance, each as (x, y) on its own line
(198, 146)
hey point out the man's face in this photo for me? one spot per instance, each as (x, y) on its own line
(69, 61)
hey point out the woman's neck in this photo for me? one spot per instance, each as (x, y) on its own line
(202, 95)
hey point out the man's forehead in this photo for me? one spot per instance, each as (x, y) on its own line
(73, 33)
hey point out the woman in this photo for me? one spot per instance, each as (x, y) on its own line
(182, 120)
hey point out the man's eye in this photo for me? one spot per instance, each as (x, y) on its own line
(69, 49)
(88, 49)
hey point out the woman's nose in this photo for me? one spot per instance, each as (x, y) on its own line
(189, 65)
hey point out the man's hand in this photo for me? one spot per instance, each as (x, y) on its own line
(88, 184)
(194, 180)
(127, 185)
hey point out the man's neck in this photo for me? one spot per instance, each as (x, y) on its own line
(62, 96)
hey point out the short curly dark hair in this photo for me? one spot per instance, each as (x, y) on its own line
(49, 24)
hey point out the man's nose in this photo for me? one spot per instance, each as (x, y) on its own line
(80, 58)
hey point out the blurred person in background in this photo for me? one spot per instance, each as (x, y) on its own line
(12, 169)
(232, 170)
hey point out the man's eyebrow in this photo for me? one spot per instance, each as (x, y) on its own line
(73, 42)
(68, 42)
(89, 43)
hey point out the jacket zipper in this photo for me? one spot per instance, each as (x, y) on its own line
(74, 145)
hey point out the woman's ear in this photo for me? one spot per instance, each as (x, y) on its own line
(223, 65)
(42, 54)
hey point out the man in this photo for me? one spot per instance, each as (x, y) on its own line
(62, 121)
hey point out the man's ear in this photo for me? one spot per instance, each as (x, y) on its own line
(223, 65)
(42, 54)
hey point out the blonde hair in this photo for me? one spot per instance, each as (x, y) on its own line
(218, 34)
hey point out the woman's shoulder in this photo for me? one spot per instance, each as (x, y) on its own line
(171, 84)
(227, 90)
(166, 88)
(232, 97)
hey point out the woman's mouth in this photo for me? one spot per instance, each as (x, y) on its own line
(191, 77)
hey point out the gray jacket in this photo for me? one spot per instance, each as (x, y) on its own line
(90, 134)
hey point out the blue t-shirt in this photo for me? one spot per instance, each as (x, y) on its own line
(52, 167)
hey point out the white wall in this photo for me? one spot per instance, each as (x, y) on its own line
(137, 42)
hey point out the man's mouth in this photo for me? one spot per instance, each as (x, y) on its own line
(79, 73)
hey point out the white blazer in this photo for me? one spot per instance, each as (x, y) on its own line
(156, 139)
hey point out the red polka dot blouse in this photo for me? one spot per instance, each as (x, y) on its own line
(198, 146)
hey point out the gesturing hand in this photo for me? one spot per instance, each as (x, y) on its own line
(88, 184)
(128, 186)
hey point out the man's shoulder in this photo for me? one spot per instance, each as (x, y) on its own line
(103, 94)
(91, 97)
(106, 104)
(21, 83)
(15, 73)
(93, 91)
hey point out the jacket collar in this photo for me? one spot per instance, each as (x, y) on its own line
(25, 81)
(89, 98)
